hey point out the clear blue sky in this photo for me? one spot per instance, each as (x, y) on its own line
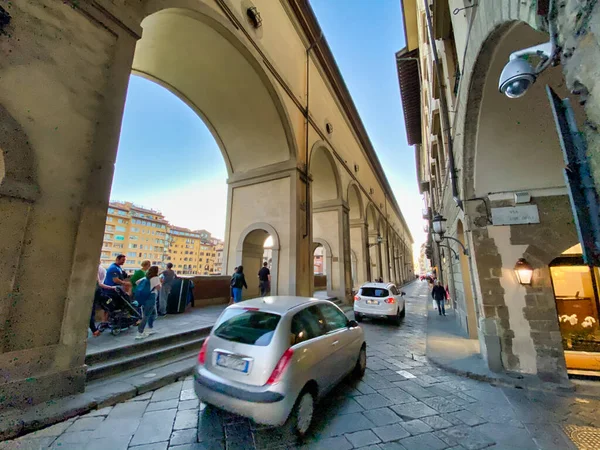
(168, 159)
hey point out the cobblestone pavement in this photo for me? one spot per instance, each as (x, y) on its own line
(403, 403)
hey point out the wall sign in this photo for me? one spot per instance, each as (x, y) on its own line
(515, 215)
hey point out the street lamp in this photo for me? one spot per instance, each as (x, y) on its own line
(439, 225)
(439, 229)
(523, 271)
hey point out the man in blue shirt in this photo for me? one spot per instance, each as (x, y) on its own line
(114, 274)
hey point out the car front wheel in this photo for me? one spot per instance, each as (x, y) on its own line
(361, 363)
(301, 416)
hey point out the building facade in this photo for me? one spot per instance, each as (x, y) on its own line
(492, 173)
(144, 234)
(138, 233)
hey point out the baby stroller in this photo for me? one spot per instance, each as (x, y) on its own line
(122, 314)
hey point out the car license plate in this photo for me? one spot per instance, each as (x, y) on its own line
(372, 302)
(233, 362)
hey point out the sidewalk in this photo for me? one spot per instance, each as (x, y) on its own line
(449, 348)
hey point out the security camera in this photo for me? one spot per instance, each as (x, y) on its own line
(518, 75)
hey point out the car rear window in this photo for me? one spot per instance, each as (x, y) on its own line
(247, 327)
(374, 292)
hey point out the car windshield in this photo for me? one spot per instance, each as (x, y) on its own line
(247, 327)
(374, 292)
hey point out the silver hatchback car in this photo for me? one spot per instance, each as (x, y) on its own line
(270, 359)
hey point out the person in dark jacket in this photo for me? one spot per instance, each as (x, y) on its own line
(439, 295)
(238, 281)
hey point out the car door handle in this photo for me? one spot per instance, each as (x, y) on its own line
(335, 343)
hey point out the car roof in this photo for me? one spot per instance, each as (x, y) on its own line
(279, 304)
(377, 285)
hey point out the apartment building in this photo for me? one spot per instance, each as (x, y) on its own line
(136, 232)
(218, 266)
(184, 248)
(141, 234)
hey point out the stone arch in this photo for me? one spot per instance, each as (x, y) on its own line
(530, 147)
(511, 145)
(327, 261)
(326, 183)
(250, 248)
(225, 72)
(355, 201)
(372, 218)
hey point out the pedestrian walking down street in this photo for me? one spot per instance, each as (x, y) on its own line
(231, 286)
(439, 295)
(146, 293)
(238, 281)
(264, 279)
(167, 277)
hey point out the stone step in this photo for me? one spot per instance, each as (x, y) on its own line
(151, 351)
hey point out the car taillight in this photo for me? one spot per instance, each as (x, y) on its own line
(356, 298)
(279, 370)
(202, 354)
(390, 300)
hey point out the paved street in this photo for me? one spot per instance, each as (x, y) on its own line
(403, 403)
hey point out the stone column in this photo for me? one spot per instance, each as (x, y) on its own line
(69, 109)
(375, 256)
(385, 260)
(358, 243)
(272, 202)
(331, 224)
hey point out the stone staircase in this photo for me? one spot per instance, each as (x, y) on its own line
(158, 351)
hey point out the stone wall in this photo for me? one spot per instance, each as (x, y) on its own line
(578, 27)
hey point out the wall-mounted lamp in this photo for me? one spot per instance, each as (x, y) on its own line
(439, 224)
(378, 241)
(523, 271)
(254, 16)
(439, 229)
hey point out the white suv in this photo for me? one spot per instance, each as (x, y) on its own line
(379, 300)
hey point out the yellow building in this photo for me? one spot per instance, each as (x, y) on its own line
(184, 247)
(207, 258)
(136, 232)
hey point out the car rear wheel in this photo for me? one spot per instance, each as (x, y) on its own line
(301, 416)
(361, 363)
(403, 313)
(358, 317)
(397, 318)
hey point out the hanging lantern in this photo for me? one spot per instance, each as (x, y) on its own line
(523, 271)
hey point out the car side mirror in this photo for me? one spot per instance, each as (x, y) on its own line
(352, 324)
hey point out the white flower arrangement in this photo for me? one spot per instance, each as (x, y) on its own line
(588, 322)
(572, 319)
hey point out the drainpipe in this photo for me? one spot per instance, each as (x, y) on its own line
(306, 129)
(444, 106)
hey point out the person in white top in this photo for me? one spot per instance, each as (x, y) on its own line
(99, 286)
(148, 304)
